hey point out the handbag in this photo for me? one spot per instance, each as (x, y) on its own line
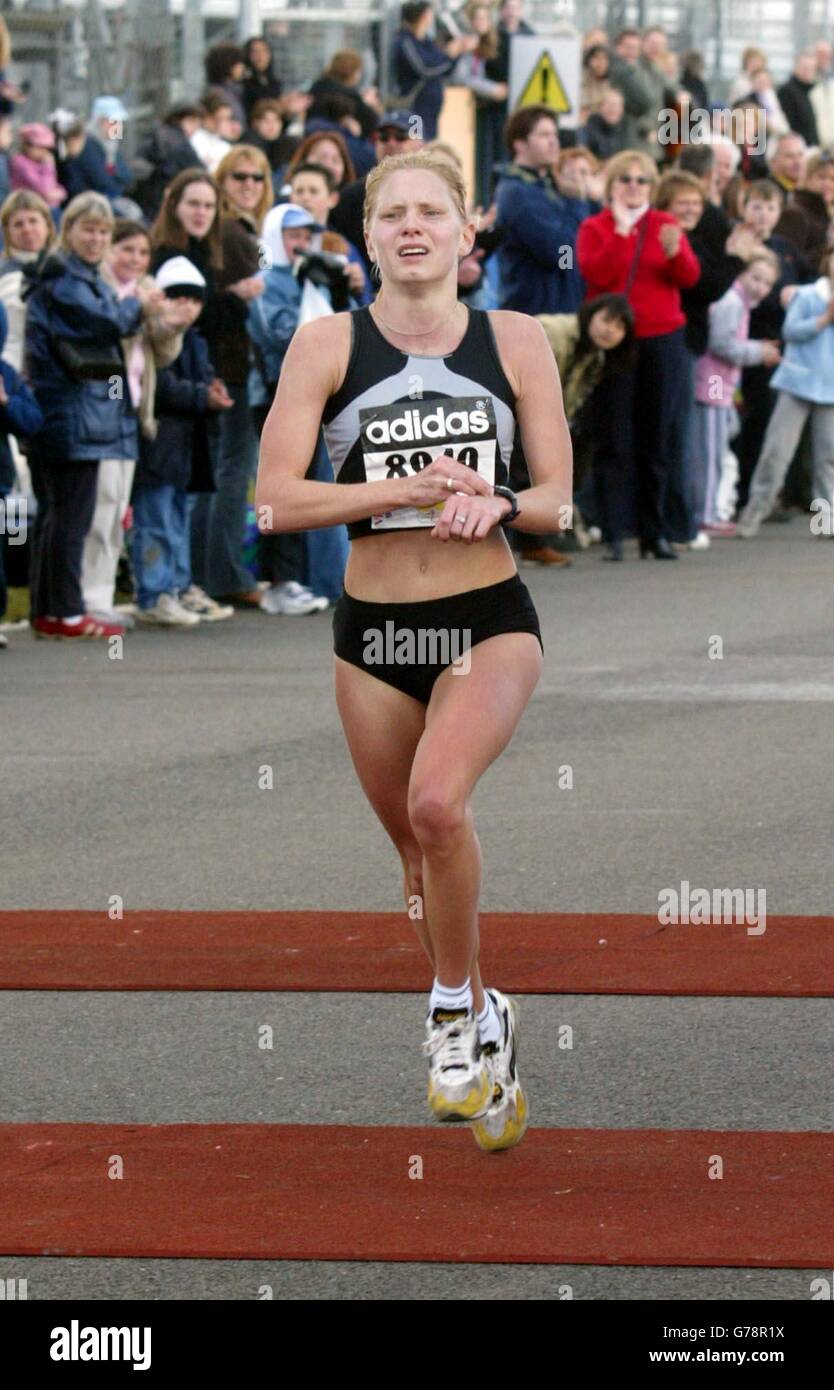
(89, 361)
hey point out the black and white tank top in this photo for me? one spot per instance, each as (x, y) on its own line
(396, 412)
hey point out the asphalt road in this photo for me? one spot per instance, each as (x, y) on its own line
(140, 777)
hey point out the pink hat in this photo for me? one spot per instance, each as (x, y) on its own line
(36, 133)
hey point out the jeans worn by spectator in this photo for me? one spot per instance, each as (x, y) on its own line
(160, 542)
(326, 548)
(218, 561)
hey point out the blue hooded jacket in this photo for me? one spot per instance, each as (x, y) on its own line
(537, 254)
(82, 419)
(20, 415)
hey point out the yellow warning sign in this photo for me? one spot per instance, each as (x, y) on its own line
(544, 87)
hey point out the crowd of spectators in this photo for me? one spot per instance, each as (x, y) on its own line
(684, 284)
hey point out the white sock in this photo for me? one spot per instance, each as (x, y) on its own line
(450, 998)
(72, 621)
(489, 1024)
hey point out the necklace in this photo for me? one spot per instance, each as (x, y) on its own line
(424, 334)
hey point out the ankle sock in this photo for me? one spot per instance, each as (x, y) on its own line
(489, 1024)
(450, 998)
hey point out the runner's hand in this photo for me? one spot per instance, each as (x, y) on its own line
(480, 515)
(430, 485)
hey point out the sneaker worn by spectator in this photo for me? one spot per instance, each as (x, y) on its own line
(293, 600)
(194, 600)
(85, 626)
(700, 542)
(167, 612)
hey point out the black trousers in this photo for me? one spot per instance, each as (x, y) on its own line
(70, 502)
(638, 444)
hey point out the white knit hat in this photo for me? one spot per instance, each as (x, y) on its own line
(179, 275)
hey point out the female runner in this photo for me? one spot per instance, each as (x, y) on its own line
(419, 398)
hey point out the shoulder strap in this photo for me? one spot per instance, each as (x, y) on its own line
(641, 237)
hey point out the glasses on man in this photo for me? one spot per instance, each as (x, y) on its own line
(632, 178)
(240, 177)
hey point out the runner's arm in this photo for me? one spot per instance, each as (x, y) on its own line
(532, 373)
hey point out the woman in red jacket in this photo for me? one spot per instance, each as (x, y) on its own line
(630, 248)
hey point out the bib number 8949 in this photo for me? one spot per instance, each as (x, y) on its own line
(398, 465)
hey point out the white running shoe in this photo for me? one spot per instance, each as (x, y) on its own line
(293, 600)
(459, 1083)
(167, 612)
(195, 600)
(506, 1120)
(701, 542)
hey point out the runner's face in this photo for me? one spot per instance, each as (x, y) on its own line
(416, 235)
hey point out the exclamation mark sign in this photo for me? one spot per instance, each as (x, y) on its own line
(545, 81)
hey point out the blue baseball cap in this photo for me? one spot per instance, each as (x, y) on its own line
(296, 216)
(396, 120)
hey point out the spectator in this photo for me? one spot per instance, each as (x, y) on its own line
(335, 115)
(393, 135)
(807, 216)
(74, 326)
(34, 167)
(787, 164)
(795, 97)
(20, 416)
(165, 152)
(28, 232)
(157, 343)
(594, 344)
(760, 211)
(752, 59)
(718, 373)
(714, 242)
(822, 96)
(764, 91)
(804, 385)
(692, 78)
(6, 141)
(99, 166)
(596, 66)
(342, 78)
(539, 225)
(653, 66)
(511, 21)
(420, 66)
(819, 178)
(213, 139)
(225, 67)
(630, 248)
(629, 76)
(327, 148)
(186, 391)
(267, 134)
(726, 159)
(606, 131)
(10, 93)
(313, 189)
(490, 96)
(749, 131)
(261, 83)
(219, 518)
(273, 319)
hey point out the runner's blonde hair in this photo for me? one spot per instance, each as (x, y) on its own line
(426, 161)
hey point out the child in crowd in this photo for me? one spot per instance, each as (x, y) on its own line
(313, 188)
(597, 341)
(186, 391)
(34, 166)
(804, 385)
(717, 374)
(20, 415)
(273, 318)
(761, 207)
(157, 343)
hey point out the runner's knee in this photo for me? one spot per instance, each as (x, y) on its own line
(438, 818)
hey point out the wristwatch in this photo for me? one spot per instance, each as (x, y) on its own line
(513, 501)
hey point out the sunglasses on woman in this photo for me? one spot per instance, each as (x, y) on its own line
(240, 177)
(632, 178)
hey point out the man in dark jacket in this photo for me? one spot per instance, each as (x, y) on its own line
(100, 166)
(795, 98)
(539, 225)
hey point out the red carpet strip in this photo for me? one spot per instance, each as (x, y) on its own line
(337, 1192)
(526, 953)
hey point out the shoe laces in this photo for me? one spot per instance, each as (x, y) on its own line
(448, 1044)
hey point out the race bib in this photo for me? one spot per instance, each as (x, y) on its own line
(399, 440)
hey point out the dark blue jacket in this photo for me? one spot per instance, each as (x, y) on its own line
(82, 419)
(419, 69)
(181, 408)
(537, 256)
(88, 171)
(20, 416)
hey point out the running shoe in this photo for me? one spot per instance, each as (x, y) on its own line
(293, 600)
(459, 1083)
(195, 600)
(167, 612)
(506, 1120)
